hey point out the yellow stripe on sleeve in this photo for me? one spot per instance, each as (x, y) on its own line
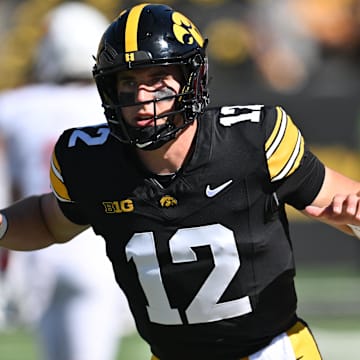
(275, 131)
(298, 156)
(284, 148)
(54, 162)
(56, 180)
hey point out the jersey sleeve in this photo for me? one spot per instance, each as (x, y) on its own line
(296, 173)
(69, 206)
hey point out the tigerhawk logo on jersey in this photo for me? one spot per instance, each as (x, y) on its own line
(116, 207)
(168, 201)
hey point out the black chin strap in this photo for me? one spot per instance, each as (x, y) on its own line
(164, 133)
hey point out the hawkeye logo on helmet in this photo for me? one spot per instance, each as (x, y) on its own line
(185, 31)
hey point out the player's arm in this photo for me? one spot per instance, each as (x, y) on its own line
(304, 180)
(338, 202)
(34, 223)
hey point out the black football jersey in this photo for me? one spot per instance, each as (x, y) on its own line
(205, 260)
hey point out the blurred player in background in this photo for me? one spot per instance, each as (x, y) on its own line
(68, 291)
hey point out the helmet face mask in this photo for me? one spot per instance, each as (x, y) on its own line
(150, 35)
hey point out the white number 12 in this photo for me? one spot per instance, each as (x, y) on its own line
(205, 306)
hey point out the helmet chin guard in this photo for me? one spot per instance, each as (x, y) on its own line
(148, 137)
(149, 35)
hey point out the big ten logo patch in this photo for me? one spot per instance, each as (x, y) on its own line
(116, 207)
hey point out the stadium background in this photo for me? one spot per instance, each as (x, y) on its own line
(302, 54)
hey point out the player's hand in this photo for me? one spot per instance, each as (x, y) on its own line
(343, 209)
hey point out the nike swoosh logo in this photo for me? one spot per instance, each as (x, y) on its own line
(212, 192)
(299, 357)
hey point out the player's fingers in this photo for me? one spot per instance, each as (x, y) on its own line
(355, 204)
(346, 208)
(351, 205)
(339, 204)
(315, 211)
(343, 209)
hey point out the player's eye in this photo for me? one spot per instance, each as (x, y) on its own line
(156, 81)
(127, 85)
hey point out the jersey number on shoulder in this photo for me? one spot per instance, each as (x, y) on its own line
(205, 306)
(230, 115)
(90, 140)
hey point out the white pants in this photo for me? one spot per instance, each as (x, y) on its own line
(295, 344)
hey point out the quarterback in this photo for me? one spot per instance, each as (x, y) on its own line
(189, 199)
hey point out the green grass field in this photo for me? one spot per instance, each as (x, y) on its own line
(21, 345)
(329, 300)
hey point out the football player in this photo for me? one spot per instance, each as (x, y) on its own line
(189, 199)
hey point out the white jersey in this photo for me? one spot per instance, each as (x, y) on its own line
(33, 117)
(31, 120)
